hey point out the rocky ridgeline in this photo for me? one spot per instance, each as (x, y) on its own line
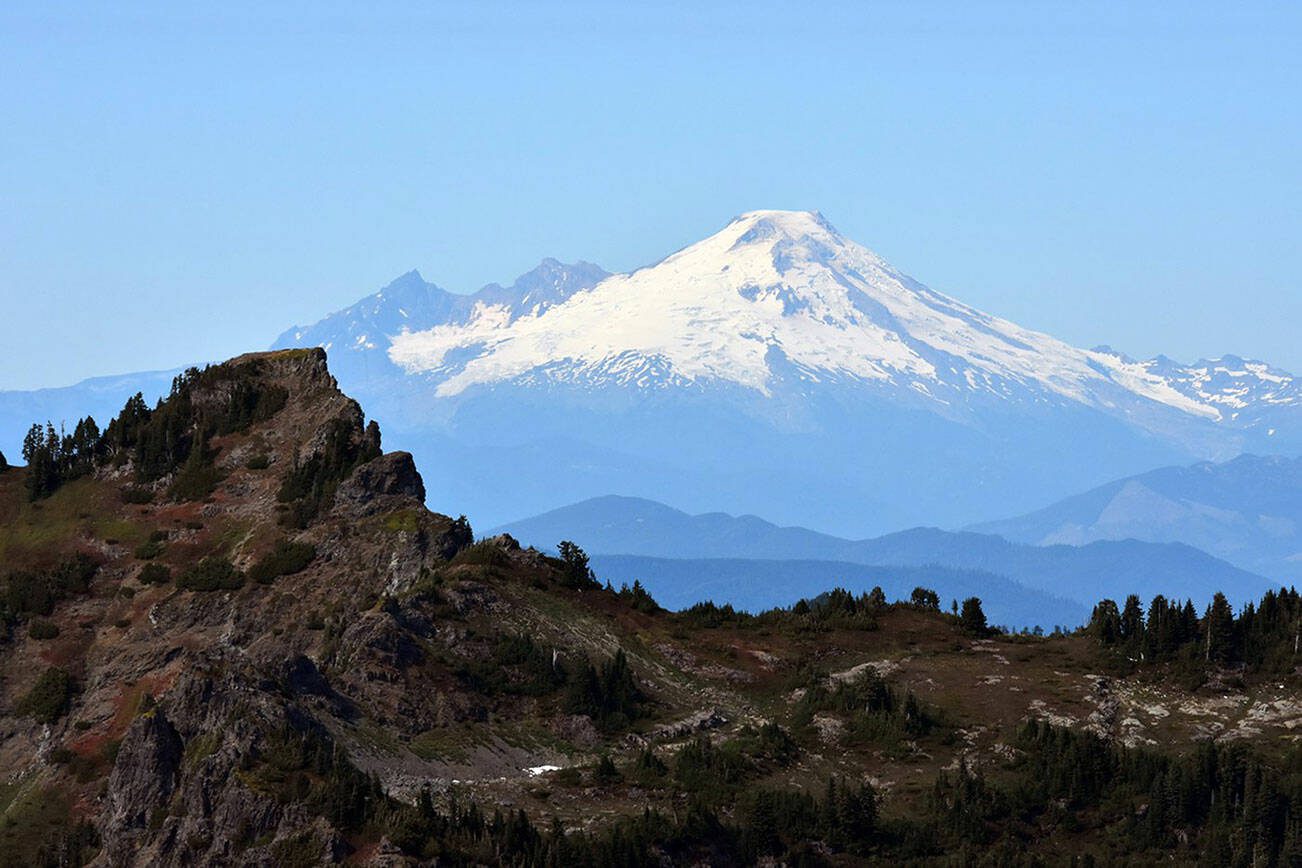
(198, 687)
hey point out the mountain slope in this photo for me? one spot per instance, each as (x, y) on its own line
(1247, 511)
(231, 634)
(1084, 574)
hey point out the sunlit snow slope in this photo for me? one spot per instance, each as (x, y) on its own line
(778, 285)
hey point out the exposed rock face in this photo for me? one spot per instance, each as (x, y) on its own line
(374, 487)
(141, 782)
(187, 794)
(504, 541)
(701, 721)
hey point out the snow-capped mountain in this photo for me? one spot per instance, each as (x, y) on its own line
(775, 367)
(781, 297)
(1248, 393)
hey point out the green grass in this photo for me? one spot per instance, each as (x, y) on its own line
(201, 747)
(376, 738)
(32, 819)
(229, 536)
(450, 744)
(34, 533)
(10, 791)
(292, 354)
(404, 520)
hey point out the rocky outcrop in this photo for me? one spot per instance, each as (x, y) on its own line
(702, 721)
(141, 783)
(184, 787)
(247, 675)
(381, 485)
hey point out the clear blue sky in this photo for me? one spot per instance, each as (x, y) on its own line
(179, 185)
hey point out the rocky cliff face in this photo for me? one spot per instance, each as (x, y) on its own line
(182, 692)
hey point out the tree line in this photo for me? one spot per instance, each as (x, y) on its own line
(173, 439)
(1263, 637)
(170, 437)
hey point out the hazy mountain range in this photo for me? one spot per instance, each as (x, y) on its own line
(649, 536)
(756, 585)
(1247, 511)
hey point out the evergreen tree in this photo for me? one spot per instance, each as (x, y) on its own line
(610, 696)
(1219, 631)
(973, 619)
(41, 454)
(876, 599)
(1161, 630)
(578, 574)
(1105, 623)
(925, 598)
(1132, 623)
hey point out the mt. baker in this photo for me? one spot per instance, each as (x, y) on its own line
(779, 368)
(772, 288)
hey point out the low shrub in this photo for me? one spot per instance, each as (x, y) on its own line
(137, 494)
(195, 481)
(154, 574)
(211, 574)
(285, 559)
(42, 629)
(36, 593)
(147, 551)
(482, 554)
(49, 698)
